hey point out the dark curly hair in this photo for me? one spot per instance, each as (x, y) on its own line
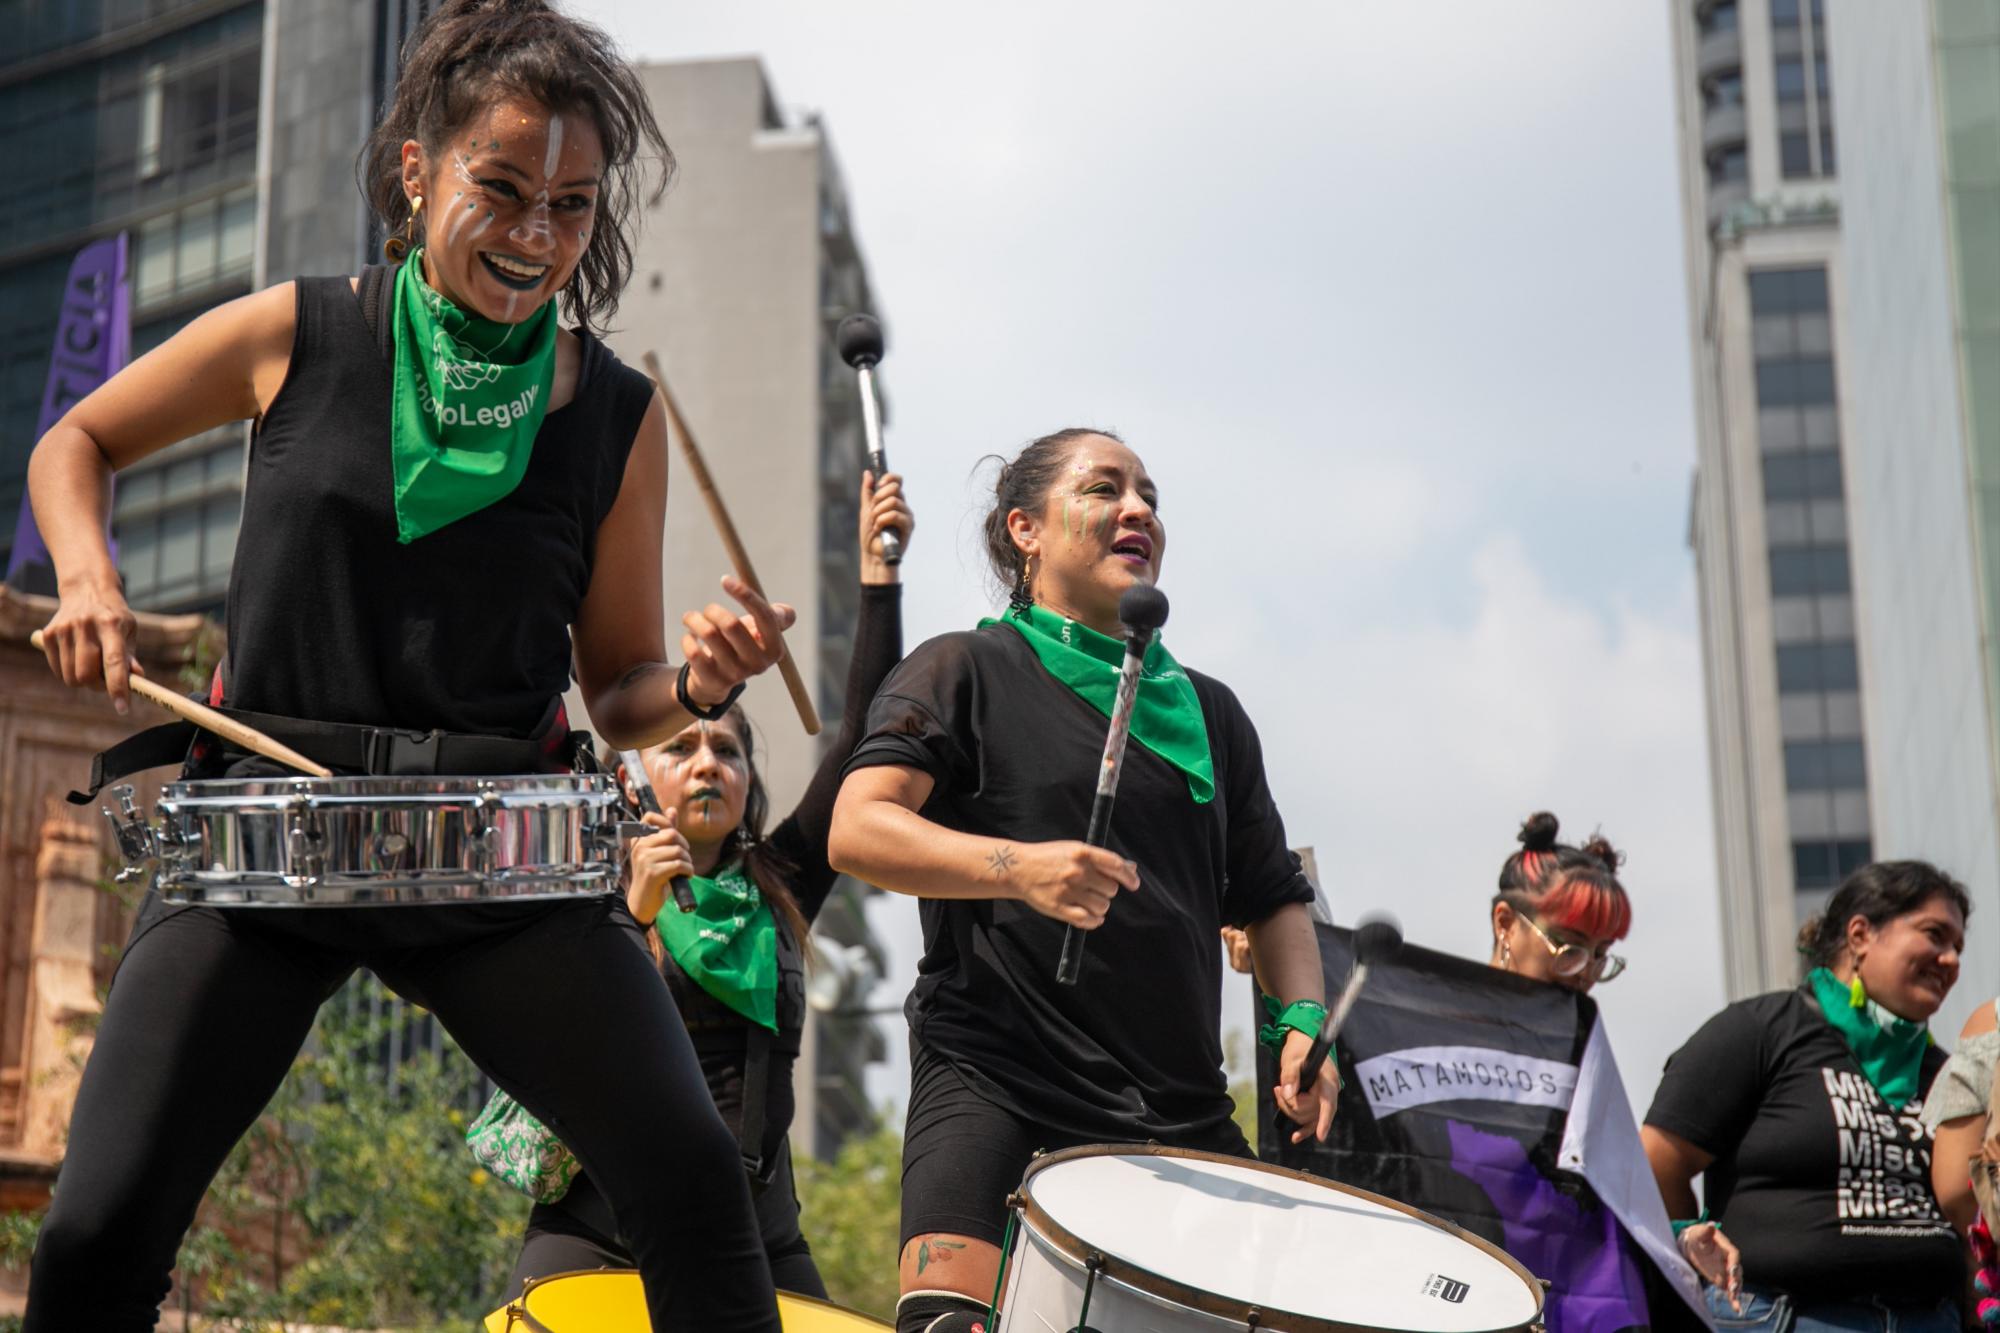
(1877, 893)
(470, 51)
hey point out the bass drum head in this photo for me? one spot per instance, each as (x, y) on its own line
(1226, 1235)
(610, 1300)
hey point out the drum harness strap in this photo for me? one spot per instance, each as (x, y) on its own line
(342, 746)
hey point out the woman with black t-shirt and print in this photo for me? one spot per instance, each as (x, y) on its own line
(970, 790)
(1803, 1112)
(447, 496)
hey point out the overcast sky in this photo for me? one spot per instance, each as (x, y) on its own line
(1390, 299)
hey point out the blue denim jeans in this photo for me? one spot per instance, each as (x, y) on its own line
(1766, 1310)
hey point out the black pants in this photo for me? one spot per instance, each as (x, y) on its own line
(557, 1002)
(579, 1232)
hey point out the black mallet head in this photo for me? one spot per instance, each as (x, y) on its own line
(1143, 608)
(1377, 940)
(859, 339)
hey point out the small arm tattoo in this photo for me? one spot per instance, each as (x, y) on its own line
(1001, 861)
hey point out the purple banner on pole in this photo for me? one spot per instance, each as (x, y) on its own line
(93, 343)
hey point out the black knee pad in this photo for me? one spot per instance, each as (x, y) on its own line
(940, 1312)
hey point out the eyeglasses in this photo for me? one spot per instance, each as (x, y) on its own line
(1574, 959)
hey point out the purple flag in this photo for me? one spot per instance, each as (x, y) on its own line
(93, 343)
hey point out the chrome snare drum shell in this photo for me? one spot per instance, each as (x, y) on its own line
(364, 841)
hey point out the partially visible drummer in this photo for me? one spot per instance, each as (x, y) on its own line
(439, 503)
(971, 790)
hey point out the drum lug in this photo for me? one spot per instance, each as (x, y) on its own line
(485, 828)
(305, 837)
(389, 850)
(136, 840)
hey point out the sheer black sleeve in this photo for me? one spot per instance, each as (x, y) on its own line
(1263, 873)
(801, 837)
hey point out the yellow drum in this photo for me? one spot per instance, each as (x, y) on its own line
(610, 1300)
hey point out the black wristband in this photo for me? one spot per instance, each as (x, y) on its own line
(694, 709)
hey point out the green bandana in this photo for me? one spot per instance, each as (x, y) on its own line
(728, 945)
(1890, 1050)
(1166, 717)
(469, 397)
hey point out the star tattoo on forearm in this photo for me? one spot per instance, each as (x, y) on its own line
(1001, 861)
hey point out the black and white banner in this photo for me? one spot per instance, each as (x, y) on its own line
(1494, 1102)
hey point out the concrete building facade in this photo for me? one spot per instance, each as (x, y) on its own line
(1919, 119)
(1768, 521)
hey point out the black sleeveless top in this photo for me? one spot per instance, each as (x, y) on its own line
(465, 629)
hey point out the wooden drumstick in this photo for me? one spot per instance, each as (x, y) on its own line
(801, 699)
(249, 738)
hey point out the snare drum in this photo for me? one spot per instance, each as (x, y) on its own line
(1122, 1239)
(310, 842)
(611, 1300)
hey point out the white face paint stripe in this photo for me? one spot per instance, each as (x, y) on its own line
(555, 147)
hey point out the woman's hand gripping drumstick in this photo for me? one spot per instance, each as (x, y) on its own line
(68, 662)
(746, 574)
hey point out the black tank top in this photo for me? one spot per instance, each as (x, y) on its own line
(464, 629)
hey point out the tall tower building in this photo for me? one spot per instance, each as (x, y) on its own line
(1761, 214)
(1919, 122)
(740, 277)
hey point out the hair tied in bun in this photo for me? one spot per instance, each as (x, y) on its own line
(1538, 832)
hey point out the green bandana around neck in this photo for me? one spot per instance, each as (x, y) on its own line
(1166, 717)
(1890, 1050)
(728, 945)
(469, 396)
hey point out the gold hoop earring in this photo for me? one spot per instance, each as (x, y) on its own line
(395, 247)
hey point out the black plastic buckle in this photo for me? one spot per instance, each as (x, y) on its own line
(395, 754)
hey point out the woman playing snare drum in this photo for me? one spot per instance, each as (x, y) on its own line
(969, 791)
(438, 506)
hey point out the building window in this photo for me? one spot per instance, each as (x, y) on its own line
(1824, 666)
(1795, 155)
(1808, 476)
(1824, 865)
(1731, 164)
(1719, 17)
(1807, 571)
(1824, 766)
(1724, 90)
(196, 248)
(1789, 78)
(176, 526)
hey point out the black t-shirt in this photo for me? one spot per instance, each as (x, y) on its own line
(1133, 1050)
(1824, 1188)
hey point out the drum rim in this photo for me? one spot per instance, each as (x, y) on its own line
(1145, 1280)
(518, 1307)
(276, 784)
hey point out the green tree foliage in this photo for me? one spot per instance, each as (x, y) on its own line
(851, 1211)
(352, 1202)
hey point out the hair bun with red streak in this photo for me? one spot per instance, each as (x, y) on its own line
(1600, 847)
(1538, 832)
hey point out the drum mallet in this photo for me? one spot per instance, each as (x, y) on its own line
(1143, 608)
(859, 339)
(649, 801)
(1376, 941)
(801, 698)
(249, 738)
